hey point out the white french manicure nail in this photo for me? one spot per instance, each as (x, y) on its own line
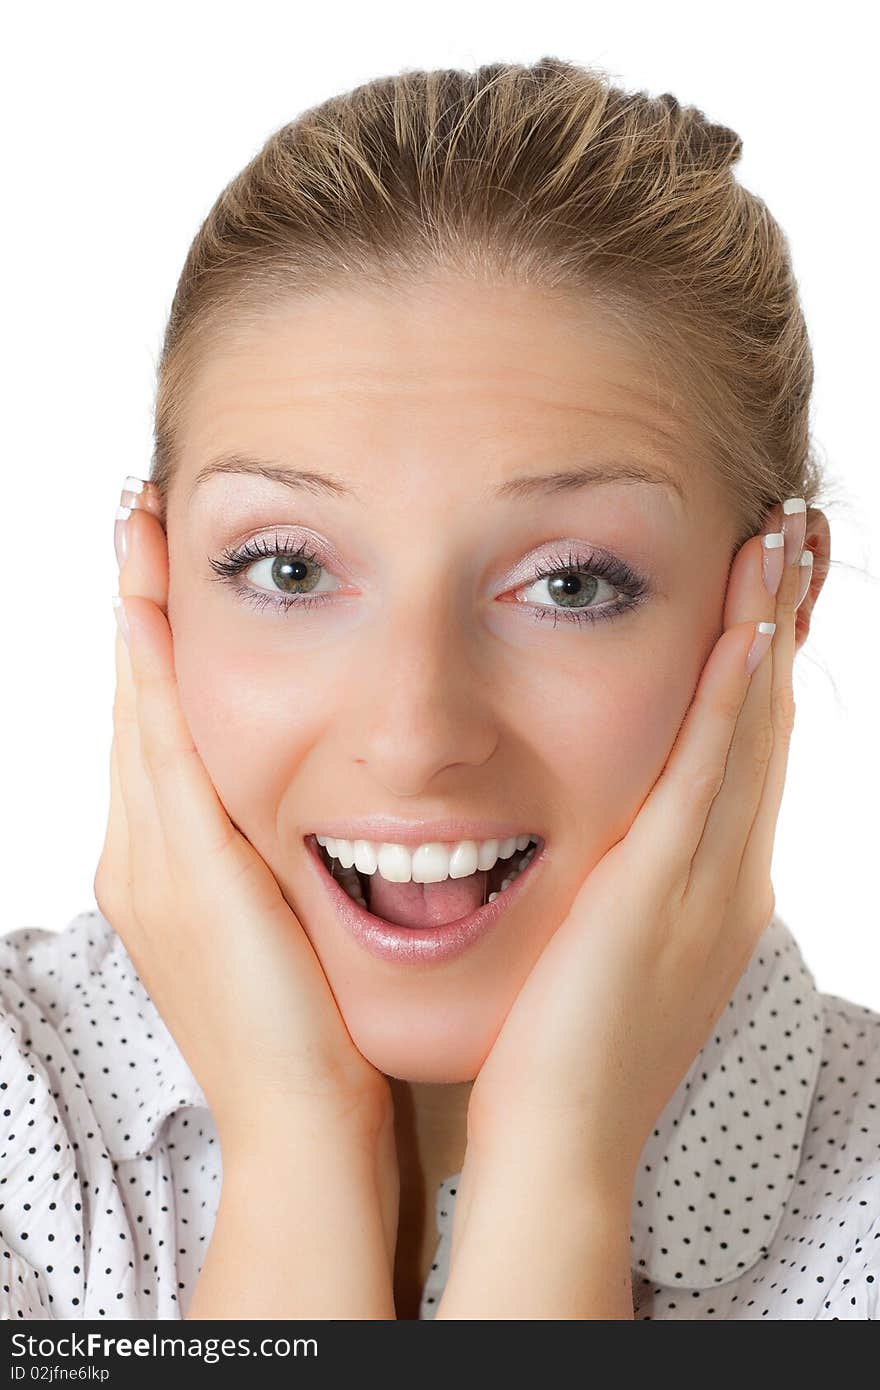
(805, 576)
(794, 530)
(760, 645)
(120, 534)
(119, 610)
(772, 560)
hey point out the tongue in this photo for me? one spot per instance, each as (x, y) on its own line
(427, 904)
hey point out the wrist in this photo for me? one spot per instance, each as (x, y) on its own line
(532, 1245)
(545, 1254)
(271, 1125)
(546, 1187)
(541, 1229)
(316, 1152)
(298, 1234)
(552, 1155)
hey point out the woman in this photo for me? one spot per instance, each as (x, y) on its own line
(452, 719)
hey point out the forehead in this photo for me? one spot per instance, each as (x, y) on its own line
(495, 346)
(477, 379)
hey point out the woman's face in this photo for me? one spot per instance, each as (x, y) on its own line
(434, 677)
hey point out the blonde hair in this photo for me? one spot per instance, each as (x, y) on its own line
(546, 175)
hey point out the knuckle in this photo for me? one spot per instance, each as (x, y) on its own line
(762, 748)
(706, 782)
(730, 705)
(158, 762)
(783, 710)
(785, 597)
(161, 758)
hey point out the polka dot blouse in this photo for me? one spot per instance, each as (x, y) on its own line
(757, 1195)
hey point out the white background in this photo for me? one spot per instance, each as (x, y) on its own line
(122, 125)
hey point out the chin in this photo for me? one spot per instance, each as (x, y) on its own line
(424, 1046)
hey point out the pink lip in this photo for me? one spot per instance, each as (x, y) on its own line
(420, 946)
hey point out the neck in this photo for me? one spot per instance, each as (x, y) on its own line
(430, 1130)
(430, 1123)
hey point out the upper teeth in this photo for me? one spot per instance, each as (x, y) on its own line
(427, 863)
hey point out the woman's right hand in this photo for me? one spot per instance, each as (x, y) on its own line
(215, 943)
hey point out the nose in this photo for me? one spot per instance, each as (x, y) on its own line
(424, 707)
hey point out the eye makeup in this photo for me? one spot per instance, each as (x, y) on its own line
(293, 562)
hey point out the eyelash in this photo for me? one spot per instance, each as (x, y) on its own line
(616, 572)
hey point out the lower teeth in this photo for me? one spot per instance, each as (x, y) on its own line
(349, 880)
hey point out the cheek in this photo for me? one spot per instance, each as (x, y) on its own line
(609, 753)
(251, 725)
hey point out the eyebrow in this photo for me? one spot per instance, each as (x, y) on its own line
(586, 475)
(525, 486)
(296, 478)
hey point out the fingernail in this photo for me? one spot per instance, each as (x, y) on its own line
(120, 534)
(763, 637)
(794, 526)
(134, 493)
(121, 620)
(773, 560)
(806, 576)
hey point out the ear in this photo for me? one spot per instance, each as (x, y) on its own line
(818, 540)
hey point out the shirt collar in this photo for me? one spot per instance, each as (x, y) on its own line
(721, 1162)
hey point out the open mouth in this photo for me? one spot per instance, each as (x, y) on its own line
(426, 925)
(410, 900)
(426, 905)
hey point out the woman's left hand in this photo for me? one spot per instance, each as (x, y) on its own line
(630, 986)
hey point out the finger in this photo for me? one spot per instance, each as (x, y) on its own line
(144, 570)
(133, 841)
(758, 856)
(132, 822)
(116, 839)
(139, 492)
(145, 565)
(184, 806)
(716, 863)
(189, 809)
(112, 876)
(137, 800)
(671, 822)
(114, 853)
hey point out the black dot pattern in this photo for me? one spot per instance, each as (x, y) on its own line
(759, 1187)
(110, 1167)
(757, 1194)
